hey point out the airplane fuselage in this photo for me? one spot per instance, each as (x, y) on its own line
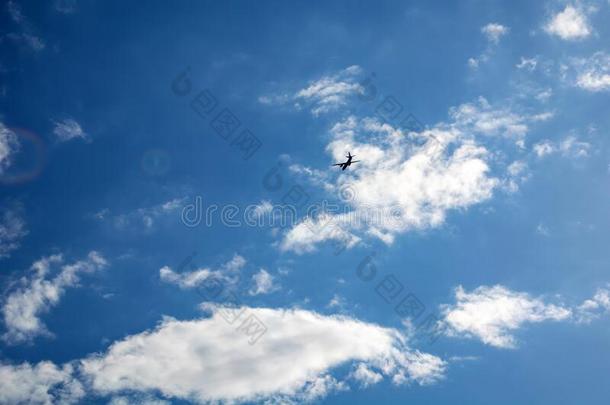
(347, 163)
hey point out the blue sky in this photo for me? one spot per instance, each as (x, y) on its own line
(172, 231)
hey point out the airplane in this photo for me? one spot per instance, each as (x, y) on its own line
(348, 162)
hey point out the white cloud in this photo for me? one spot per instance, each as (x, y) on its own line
(235, 264)
(263, 283)
(336, 301)
(215, 362)
(544, 148)
(37, 293)
(317, 177)
(331, 92)
(365, 376)
(494, 31)
(192, 279)
(68, 129)
(265, 207)
(528, 63)
(569, 147)
(409, 181)
(544, 95)
(43, 383)
(303, 237)
(141, 218)
(572, 147)
(594, 307)
(569, 24)
(484, 119)
(593, 74)
(274, 99)
(492, 314)
(517, 173)
(323, 95)
(9, 145)
(315, 390)
(12, 230)
(188, 279)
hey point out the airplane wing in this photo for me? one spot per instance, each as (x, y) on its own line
(354, 161)
(337, 164)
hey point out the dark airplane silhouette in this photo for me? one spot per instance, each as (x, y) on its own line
(349, 161)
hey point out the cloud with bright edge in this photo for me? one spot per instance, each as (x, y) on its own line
(492, 314)
(570, 24)
(39, 292)
(215, 362)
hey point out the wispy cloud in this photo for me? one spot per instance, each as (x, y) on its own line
(9, 145)
(14, 10)
(12, 229)
(593, 73)
(483, 118)
(25, 35)
(39, 292)
(323, 95)
(492, 32)
(595, 306)
(263, 283)
(191, 279)
(569, 147)
(65, 6)
(140, 218)
(528, 63)
(68, 129)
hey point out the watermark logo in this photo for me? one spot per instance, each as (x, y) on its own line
(192, 213)
(390, 289)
